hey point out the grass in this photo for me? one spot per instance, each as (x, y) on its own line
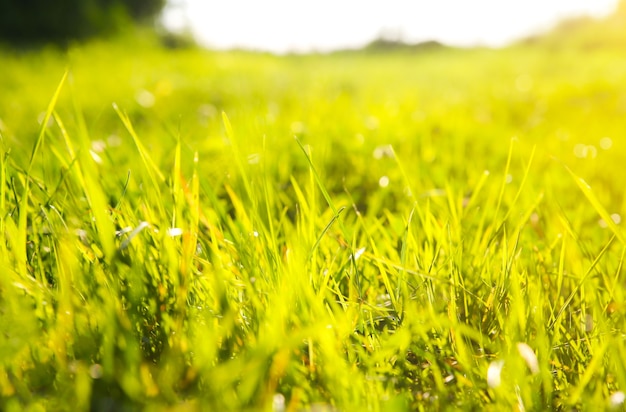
(194, 230)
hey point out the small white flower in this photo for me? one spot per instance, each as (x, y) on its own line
(134, 233)
(617, 399)
(527, 353)
(278, 404)
(174, 231)
(493, 373)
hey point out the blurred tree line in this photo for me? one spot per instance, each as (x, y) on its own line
(35, 21)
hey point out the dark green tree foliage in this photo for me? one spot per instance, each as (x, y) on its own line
(144, 9)
(28, 21)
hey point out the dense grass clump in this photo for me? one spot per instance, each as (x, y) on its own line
(194, 230)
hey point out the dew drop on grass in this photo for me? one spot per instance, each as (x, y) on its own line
(383, 300)
(534, 219)
(95, 371)
(383, 181)
(41, 117)
(207, 110)
(98, 146)
(145, 98)
(73, 366)
(615, 217)
(383, 151)
(114, 140)
(579, 150)
(606, 143)
(509, 179)
(297, 127)
(372, 123)
(583, 151)
(592, 152)
(82, 235)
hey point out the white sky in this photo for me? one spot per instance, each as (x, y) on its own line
(304, 25)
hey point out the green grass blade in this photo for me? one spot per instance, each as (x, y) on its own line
(597, 205)
(155, 174)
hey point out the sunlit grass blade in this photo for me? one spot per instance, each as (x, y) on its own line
(594, 366)
(348, 237)
(317, 177)
(238, 158)
(44, 122)
(580, 283)
(89, 181)
(190, 242)
(3, 189)
(155, 174)
(597, 205)
(521, 185)
(324, 231)
(24, 201)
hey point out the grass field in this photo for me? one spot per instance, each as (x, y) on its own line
(196, 230)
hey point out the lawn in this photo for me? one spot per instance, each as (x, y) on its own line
(198, 230)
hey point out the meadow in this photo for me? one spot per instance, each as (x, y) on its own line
(198, 230)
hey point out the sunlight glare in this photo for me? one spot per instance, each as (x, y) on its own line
(282, 25)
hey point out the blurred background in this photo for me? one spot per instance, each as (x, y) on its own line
(295, 26)
(283, 25)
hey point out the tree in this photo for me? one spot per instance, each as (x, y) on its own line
(142, 9)
(28, 21)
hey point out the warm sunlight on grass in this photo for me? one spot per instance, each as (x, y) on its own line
(193, 230)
